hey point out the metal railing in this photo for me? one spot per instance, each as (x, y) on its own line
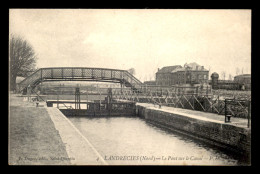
(193, 100)
(235, 108)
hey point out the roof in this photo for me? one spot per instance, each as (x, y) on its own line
(168, 69)
(191, 66)
(243, 75)
(214, 75)
(194, 65)
(178, 69)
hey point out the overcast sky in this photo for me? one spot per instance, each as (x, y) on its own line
(142, 39)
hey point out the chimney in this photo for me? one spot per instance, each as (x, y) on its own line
(196, 68)
(202, 68)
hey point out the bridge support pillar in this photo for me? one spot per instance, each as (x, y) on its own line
(121, 85)
(109, 101)
(77, 99)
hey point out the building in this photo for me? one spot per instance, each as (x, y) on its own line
(236, 84)
(189, 74)
(164, 76)
(150, 83)
(243, 79)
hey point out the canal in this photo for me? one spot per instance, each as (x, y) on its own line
(134, 141)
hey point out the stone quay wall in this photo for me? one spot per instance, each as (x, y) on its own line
(223, 135)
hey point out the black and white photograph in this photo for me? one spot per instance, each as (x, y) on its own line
(129, 87)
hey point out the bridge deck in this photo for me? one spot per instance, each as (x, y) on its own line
(79, 74)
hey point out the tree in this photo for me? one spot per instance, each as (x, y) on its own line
(209, 71)
(223, 74)
(230, 77)
(22, 58)
(131, 71)
(237, 71)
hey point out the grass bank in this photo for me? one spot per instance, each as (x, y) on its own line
(33, 138)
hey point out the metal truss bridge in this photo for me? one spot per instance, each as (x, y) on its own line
(80, 74)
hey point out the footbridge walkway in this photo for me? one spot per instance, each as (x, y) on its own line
(80, 74)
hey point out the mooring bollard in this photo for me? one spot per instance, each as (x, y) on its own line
(227, 118)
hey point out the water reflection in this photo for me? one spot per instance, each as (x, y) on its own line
(134, 141)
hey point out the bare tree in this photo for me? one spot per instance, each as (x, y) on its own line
(209, 70)
(223, 74)
(150, 77)
(246, 71)
(22, 58)
(230, 77)
(131, 71)
(237, 71)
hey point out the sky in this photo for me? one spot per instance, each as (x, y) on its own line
(143, 39)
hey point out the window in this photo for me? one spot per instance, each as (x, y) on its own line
(205, 76)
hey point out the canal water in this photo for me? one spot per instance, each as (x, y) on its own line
(134, 141)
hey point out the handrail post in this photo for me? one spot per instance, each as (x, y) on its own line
(102, 73)
(249, 113)
(52, 73)
(41, 74)
(58, 100)
(225, 111)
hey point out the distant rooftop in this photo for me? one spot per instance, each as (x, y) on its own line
(168, 69)
(244, 75)
(194, 65)
(191, 66)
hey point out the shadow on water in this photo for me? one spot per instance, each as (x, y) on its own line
(200, 142)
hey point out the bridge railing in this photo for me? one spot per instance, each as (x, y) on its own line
(194, 101)
(29, 80)
(131, 79)
(75, 73)
(82, 73)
